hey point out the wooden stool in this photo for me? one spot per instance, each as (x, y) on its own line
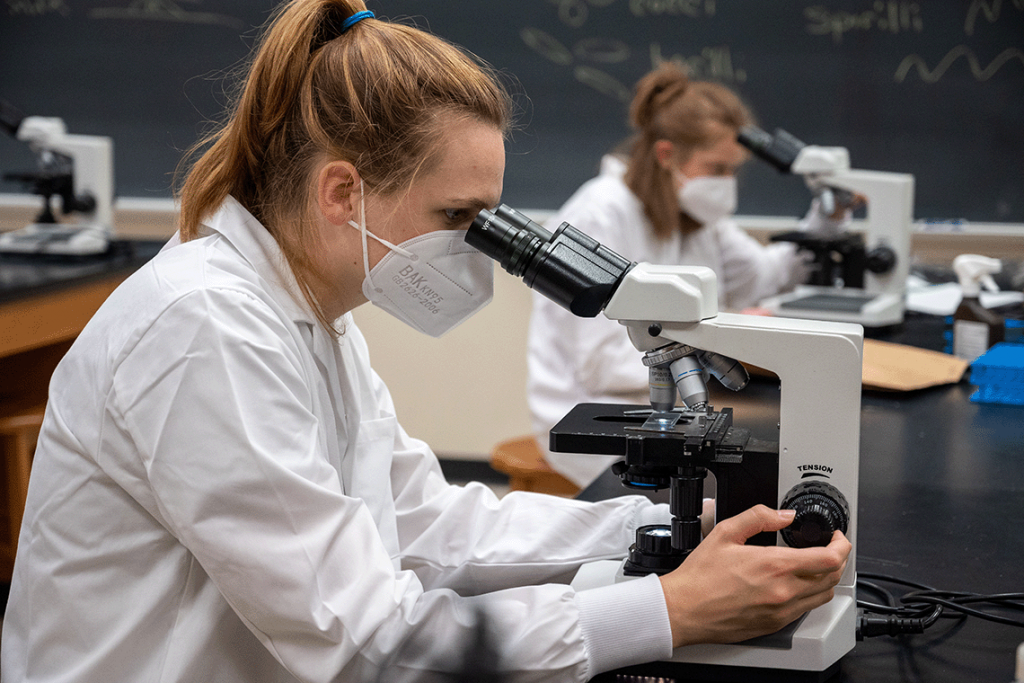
(523, 462)
(18, 433)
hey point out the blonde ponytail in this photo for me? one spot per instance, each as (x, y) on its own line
(377, 94)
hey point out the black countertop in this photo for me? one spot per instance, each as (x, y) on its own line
(23, 276)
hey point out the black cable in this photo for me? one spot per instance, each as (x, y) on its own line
(919, 609)
(958, 601)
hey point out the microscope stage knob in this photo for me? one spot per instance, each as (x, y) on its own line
(820, 510)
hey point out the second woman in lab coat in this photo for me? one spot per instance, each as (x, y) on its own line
(222, 490)
(670, 201)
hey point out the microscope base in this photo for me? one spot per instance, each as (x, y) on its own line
(814, 644)
(676, 672)
(847, 305)
(64, 239)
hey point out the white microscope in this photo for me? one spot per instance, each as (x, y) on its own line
(858, 277)
(79, 169)
(672, 316)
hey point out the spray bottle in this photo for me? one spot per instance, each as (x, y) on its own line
(975, 328)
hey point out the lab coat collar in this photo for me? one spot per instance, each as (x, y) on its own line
(255, 243)
(613, 165)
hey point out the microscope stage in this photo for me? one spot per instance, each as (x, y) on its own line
(850, 305)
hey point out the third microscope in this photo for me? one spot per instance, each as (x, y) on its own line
(77, 169)
(857, 276)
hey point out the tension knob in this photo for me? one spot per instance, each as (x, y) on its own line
(820, 511)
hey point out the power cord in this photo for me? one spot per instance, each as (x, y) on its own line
(916, 610)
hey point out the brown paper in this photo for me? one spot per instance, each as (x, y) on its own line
(897, 367)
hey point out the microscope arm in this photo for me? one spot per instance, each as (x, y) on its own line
(818, 363)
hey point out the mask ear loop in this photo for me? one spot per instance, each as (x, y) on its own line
(680, 178)
(361, 227)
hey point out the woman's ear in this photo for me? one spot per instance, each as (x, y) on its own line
(663, 152)
(338, 192)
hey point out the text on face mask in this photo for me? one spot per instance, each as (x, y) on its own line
(417, 287)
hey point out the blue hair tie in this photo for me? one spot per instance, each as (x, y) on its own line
(355, 19)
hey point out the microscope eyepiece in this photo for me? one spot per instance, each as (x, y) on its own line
(568, 267)
(508, 237)
(10, 119)
(780, 150)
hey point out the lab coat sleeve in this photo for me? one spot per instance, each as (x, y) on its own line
(604, 363)
(752, 271)
(573, 360)
(467, 539)
(607, 365)
(217, 403)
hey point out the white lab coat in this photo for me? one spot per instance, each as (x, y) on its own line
(575, 360)
(223, 493)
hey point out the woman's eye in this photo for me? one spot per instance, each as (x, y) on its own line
(455, 215)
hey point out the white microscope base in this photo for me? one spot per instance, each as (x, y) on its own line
(880, 310)
(821, 639)
(55, 238)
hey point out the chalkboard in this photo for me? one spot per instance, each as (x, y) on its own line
(933, 88)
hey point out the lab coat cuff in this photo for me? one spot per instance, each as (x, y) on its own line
(625, 623)
(652, 514)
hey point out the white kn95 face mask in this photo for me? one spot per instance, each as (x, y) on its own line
(708, 199)
(432, 282)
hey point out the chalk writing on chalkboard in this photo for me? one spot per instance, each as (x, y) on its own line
(911, 86)
(587, 55)
(146, 10)
(892, 16)
(992, 9)
(915, 62)
(166, 10)
(37, 8)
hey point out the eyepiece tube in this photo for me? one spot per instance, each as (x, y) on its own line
(10, 119)
(779, 150)
(566, 266)
(510, 215)
(511, 245)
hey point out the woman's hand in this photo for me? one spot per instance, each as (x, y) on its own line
(726, 591)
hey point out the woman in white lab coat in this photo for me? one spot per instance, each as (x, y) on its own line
(669, 201)
(222, 491)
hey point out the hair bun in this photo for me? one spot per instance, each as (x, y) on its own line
(654, 91)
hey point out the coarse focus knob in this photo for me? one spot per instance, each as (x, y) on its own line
(820, 510)
(652, 552)
(654, 539)
(881, 259)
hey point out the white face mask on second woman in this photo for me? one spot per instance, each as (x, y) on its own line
(432, 282)
(708, 199)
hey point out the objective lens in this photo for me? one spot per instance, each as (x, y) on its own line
(726, 370)
(662, 388)
(689, 379)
